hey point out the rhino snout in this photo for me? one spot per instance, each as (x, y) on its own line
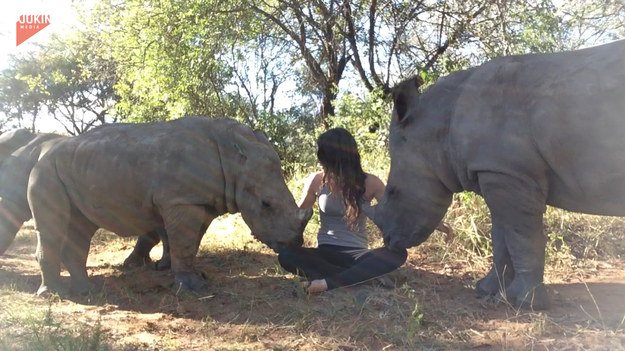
(395, 243)
(396, 240)
(277, 245)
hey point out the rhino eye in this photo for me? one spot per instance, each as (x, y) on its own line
(265, 204)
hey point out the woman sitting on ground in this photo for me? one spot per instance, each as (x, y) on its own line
(344, 193)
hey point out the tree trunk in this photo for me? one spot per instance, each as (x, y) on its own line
(327, 107)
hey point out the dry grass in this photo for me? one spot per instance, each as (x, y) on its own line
(254, 305)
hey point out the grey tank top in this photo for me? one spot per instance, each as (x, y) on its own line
(333, 229)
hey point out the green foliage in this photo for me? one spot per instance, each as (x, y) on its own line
(21, 93)
(367, 117)
(277, 64)
(79, 82)
(64, 78)
(539, 30)
(287, 129)
(511, 28)
(416, 319)
(589, 22)
(171, 53)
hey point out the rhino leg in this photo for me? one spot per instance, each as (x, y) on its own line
(11, 220)
(517, 209)
(50, 206)
(184, 224)
(165, 262)
(47, 255)
(76, 249)
(140, 255)
(502, 271)
(50, 237)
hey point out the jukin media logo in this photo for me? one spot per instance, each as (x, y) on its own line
(29, 25)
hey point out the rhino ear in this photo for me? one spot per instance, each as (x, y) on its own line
(261, 136)
(401, 107)
(404, 95)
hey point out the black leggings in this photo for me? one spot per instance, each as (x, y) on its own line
(340, 265)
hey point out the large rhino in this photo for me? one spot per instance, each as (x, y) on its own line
(134, 178)
(522, 131)
(20, 149)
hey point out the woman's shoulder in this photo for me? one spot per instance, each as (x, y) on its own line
(374, 187)
(313, 181)
(372, 179)
(314, 177)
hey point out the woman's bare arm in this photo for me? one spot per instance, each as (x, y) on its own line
(312, 183)
(374, 188)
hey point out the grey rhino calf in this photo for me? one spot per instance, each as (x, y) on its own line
(522, 131)
(135, 178)
(19, 152)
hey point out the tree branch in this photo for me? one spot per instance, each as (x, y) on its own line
(453, 38)
(351, 38)
(311, 63)
(372, 15)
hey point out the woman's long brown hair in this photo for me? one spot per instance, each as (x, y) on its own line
(338, 155)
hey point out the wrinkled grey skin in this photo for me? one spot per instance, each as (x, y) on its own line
(523, 132)
(19, 151)
(13, 140)
(135, 178)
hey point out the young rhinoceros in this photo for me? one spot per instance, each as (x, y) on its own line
(522, 131)
(134, 178)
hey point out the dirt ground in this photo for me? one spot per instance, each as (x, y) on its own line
(253, 305)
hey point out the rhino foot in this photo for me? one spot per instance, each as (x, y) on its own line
(83, 287)
(135, 260)
(49, 290)
(526, 293)
(491, 284)
(190, 282)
